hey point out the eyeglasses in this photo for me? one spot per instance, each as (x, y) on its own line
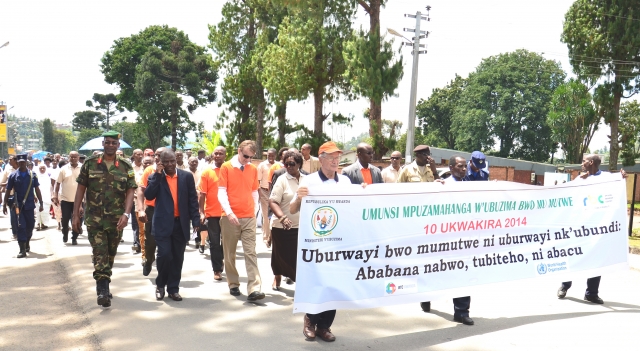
(246, 157)
(290, 164)
(332, 159)
(396, 158)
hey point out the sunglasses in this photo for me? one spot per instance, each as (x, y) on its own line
(423, 153)
(246, 157)
(396, 158)
(290, 164)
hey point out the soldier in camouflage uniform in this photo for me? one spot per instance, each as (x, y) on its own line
(109, 183)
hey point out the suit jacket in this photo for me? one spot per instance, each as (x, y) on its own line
(355, 175)
(163, 218)
(315, 164)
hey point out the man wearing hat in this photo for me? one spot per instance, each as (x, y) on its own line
(23, 182)
(319, 324)
(422, 170)
(477, 167)
(109, 183)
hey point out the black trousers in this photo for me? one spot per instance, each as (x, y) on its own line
(461, 306)
(323, 320)
(135, 228)
(149, 239)
(170, 258)
(215, 247)
(67, 213)
(592, 286)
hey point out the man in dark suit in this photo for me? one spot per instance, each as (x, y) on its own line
(176, 204)
(362, 171)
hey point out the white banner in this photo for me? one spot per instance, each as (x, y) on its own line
(392, 244)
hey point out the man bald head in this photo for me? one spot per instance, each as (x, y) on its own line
(591, 163)
(74, 157)
(365, 154)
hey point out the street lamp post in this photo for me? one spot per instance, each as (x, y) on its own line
(414, 74)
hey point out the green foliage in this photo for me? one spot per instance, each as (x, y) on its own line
(630, 132)
(573, 119)
(507, 98)
(208, 142)
(106, 104)
(48, 141)
(86, 135)
(603, 37)
(133, 133)
(154, 69)
(373, 73)
(306, 58)
(436, 114)
(64, 141)
(87, 120)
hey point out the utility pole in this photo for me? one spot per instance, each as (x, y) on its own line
(414, 77)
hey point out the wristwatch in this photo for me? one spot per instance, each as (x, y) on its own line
(128, 215)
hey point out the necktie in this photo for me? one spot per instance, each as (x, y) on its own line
(242, 168)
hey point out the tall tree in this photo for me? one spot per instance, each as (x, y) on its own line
(603, 37)
(307, 56)
(436, 114)
(185, 71)
(48, 141)
(234, 42)
(87, 120)
(573, 119)
(507, 99)
(630, 132)
(107, 104)
(372, 71)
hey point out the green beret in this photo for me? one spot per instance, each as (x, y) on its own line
(111, 134)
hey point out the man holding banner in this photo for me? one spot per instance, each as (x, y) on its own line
(590, 165)
(329, 154)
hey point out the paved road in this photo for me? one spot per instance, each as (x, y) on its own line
(48, 302)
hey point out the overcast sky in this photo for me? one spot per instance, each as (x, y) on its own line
(51, 66)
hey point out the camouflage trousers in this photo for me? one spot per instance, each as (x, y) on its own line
(104, 239)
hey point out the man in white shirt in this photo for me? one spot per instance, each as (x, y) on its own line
(390, 174)
(320, 323)
(66, 184)
(263, 178)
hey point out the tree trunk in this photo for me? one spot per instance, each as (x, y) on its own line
(318, 117)
(260, 123)
(375, 107)
(281, 112)
(613, 142)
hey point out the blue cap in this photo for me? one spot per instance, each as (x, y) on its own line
(479, 159)
(21, 157)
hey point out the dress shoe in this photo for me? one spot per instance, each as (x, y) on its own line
(289, 281)
(201, 249)
(146, 269)
(217, 275)
(276, 283)
(256, 295)
(175, 297)
(562, 292)
(45, 227)
(234, 291)
(309, 329)
(464, 320)
(593, 298)
(426, 306)
(159, 293)
(22, 253)
(65, 238)
(74, 241)
(325, 334)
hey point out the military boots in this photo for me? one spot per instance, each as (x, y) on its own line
(23, 248)
(102, 288)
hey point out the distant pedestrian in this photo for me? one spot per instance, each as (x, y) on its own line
(211, 211)
(66, 185)
(24, 182)
(263, 179)
(391, 173)
(362, 171)
(45, 190)
(146, 216)
(477, 167)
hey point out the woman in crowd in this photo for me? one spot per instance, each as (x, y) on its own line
(45, 189)
(284, 229)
